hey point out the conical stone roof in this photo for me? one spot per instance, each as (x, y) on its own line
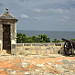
(7, 16)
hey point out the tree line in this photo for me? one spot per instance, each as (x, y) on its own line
(41, 38)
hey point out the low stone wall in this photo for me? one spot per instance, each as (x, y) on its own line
(37, 48)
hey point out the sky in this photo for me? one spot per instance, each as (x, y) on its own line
(42, 15)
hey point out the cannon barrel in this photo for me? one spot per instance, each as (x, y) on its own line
(69, 41)
(66, 40)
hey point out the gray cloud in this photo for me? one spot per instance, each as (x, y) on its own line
(46, 13)
(37, 10)
(23, 0)
(24, 16)
(59, 4)
(55, 10)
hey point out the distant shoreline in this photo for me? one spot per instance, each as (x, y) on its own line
(51, 34)
(45, 30)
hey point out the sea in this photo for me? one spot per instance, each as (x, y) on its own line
(51, 34)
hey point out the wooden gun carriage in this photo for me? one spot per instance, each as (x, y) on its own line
(69, 47)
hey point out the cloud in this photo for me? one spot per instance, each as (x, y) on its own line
(24, 16)
(37, 10)
(58, 4)
(55, 10)
(23, 0)
(61, 20)
(59, 10)
(49, 10)
(40, 19)
(64, 20)
(48, 13)
(37, 18)
(66, 17)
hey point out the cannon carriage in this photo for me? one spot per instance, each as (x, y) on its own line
(69, 47)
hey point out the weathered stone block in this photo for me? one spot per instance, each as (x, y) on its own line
(27, 52)
(48, 47)
(38, 52)
(51, 44)
(27, 44)
(44, 52)
(13, 46)
(35, 44)
(33, 52)
(19, 44)
(57, 44)
(0, 46)
(32, 48)
(37, 48)
(45, 44)
(27, 48)
(21, 53)
(13, 51)
(48, 51)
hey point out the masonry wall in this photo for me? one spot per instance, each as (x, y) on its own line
(13, 37)
(37, 48)
(0, 36)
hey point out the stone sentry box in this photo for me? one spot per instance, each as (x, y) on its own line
(8, 32)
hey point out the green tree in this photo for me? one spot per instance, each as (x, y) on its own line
(19, 37)
(48, 40)
(29, 40)
(34, 38)
(43, 38)
(73, 39)
(22, 38)
(56, 41)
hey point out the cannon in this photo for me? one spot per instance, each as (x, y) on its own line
(69, 47)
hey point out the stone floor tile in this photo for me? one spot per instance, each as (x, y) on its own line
(37, 66)
(11, 71)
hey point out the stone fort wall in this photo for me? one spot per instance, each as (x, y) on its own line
(37, 48)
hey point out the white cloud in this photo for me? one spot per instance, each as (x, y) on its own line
(64, 20)
(37, 10)
(59, 10)
(24, 16)
(37, 18)
(66, 17)
(61, 20)
(55, 10)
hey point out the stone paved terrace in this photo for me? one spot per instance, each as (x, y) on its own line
(37, 65)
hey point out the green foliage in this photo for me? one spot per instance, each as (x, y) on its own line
(73, 39)
(22, 38)
(43, 38)
(56, 41)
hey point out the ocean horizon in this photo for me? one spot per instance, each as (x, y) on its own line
(51, 34)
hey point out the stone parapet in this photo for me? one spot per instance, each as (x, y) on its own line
(38, 48)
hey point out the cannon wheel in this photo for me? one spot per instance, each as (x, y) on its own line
(68, 50)
(65, 48)
(72, 50)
